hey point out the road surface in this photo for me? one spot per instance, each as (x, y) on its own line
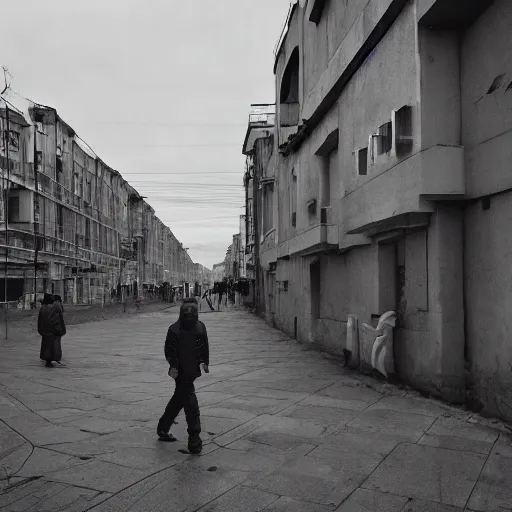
(285, 429)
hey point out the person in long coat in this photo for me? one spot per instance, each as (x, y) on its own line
(50, 325)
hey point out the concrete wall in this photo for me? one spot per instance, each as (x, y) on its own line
(347, 282)
(486, 121)
(429, 348)
(455, 299)
(488, 288)
(378, 91)
(486, 58)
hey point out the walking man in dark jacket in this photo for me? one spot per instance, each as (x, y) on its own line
(186, 350)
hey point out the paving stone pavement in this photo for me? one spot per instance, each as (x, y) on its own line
(286, 428)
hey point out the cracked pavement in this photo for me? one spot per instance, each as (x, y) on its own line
(285, 428)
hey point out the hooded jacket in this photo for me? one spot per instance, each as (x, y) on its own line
(186, 346)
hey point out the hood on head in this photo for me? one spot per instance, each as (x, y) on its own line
(189, 312)
(47, 299)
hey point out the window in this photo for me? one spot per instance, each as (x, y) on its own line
(324, 214)
(289, 93)
(362, 161)
(88, 191)
(39, 159)
(311, 205)
(285, 286)
(13, 140)
(59, 167)
(293, 199)
(14, 208)
(403, 130)
(290, 80)
(87, 233)
(268, 211)
(384, 138)
(317, 10)
(60, 221)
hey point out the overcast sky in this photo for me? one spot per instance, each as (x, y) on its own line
(160, 93)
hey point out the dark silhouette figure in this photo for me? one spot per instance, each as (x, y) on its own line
(51, 327)
(186, 350)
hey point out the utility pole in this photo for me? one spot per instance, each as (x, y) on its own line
(6, 208)
(36, 202)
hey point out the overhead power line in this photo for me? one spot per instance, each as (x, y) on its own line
(149, 123)
(184, 183)
(212, 145)
(164, 173)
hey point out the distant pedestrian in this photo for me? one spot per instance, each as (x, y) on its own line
(51, 327)
(61, 324)
(186, 350)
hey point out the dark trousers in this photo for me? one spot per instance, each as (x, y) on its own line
(184, 398)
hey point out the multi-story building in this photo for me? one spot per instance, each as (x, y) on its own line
(260, 241)
(202, 276)
(71, 224)
(218, 272)
(392, 147)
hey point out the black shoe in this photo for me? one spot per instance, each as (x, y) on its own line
(195, 445)
(165, 437)
(49, 364)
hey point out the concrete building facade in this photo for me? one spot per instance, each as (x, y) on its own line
(261, 207)
(218, 272)
(388, 187)
(69, 223)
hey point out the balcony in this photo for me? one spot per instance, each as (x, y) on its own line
(450, 14)
(262, 119)
(312, 241)
(408, 188)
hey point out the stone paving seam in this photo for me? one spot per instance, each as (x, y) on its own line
(140, 498)
(52, 495)
(112, 495)
(241, 484)
(49, 448)
(19, 484)
(75, 485)
(378, 466)
(26, 440)
(365, 409)
(53, 386)
(26, 406)
(480, 474)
